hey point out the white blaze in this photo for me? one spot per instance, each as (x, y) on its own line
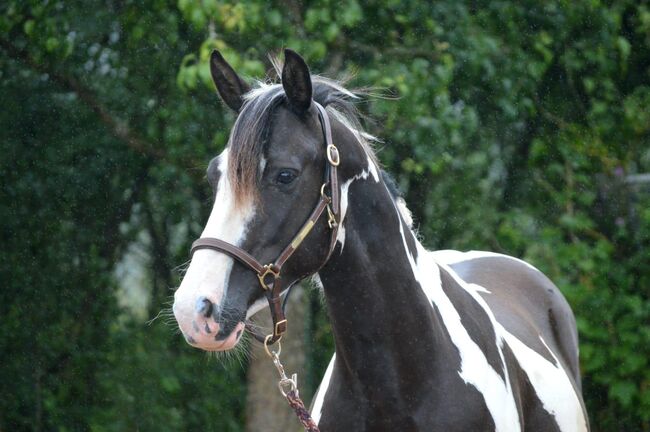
(209, 271)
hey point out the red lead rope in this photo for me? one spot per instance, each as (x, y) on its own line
(301, 412)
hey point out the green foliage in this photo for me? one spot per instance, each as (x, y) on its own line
(513, 128)
(151, 381)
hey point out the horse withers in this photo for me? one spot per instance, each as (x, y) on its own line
(425, 341)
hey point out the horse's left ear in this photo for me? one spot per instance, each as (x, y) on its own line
(296, 81)
(230, 86)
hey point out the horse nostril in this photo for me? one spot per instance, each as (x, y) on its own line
(204, 307)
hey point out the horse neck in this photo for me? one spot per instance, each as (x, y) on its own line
(377, 309)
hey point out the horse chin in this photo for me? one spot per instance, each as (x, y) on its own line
(210, 343)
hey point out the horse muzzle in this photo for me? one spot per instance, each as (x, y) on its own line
(208, 328)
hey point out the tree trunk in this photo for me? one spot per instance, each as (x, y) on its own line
(266, 408)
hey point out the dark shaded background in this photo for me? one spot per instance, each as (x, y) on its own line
(521, 127)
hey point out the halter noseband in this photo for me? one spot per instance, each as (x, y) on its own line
(269, 274)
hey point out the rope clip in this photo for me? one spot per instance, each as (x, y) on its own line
(285, 384)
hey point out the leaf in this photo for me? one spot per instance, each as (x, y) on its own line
(28, 27)
(623, 391)
(51, 44)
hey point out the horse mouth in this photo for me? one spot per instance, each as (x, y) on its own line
(209, 340)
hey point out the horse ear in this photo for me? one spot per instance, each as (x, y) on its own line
(230, 86)
(296, 81)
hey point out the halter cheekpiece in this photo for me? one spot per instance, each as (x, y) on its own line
(269, 275)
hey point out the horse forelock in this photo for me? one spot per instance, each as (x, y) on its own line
(248, 139)
(250, 135)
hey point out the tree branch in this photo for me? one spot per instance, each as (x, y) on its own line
(116, 126)
(295, 14)
(517, 165)
(122, 213)
(159, 253)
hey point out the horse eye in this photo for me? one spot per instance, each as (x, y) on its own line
(286, 177)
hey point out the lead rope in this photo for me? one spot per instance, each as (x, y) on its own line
(289, 389)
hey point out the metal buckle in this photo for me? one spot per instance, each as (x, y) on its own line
(278, 324)
(268, 269)
(334, 158)
(331, 219)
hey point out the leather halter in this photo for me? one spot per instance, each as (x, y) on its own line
(269, 275)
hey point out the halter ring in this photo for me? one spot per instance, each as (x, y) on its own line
(323, 194)
(268, 269)
(333, 157)
(272, 354)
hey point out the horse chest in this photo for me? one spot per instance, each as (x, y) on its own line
(428, 406)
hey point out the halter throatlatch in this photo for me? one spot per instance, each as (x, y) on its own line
(270, 275)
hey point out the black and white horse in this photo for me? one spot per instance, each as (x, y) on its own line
(425, 341)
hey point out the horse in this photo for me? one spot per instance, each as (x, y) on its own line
(425, 340)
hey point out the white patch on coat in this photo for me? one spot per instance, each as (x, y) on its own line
(373, 169)
(317, 407)
(209, 271)
(475, 369)
(363, 175)
(340, 236)
(479, 288)
(551, 383)
(453, 257)
(405, 212)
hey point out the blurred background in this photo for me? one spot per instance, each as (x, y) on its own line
(521, 127)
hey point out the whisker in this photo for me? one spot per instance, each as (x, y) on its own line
(162, 313)
(257, 327)
(240, 354)
(182, 268)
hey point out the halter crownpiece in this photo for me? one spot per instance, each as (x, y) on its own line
(269, 275)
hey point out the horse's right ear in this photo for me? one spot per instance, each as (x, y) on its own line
(230, 86)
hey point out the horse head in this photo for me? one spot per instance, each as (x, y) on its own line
(266, 183)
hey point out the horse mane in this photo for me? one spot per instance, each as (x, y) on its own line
(250, 134)
(398, 198)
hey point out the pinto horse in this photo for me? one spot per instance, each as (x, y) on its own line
(425, 341)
